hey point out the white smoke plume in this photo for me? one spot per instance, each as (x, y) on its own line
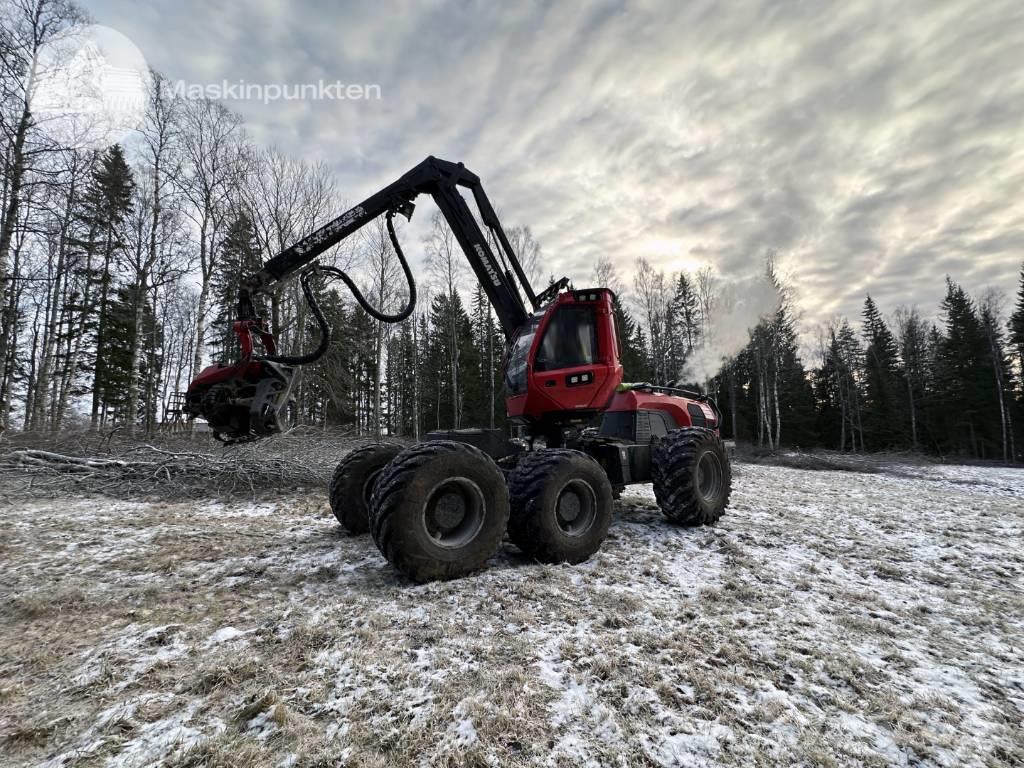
(739, 306)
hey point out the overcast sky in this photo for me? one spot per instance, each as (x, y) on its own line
(875, 146)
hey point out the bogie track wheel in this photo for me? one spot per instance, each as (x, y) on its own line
(353, 482)
(561, 506)
(439, 510)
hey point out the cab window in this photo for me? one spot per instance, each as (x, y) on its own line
(569, 340)
(515, 366)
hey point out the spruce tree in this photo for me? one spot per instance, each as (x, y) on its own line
(448, 406)
(238, 258)
(686, 307)
(488, 342)
(106, 204)
(996, 359)
(964, 378)
(796, 394)
(884, 406)
(633, 344)
(1016, 329)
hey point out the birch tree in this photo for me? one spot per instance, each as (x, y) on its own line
(212, 163)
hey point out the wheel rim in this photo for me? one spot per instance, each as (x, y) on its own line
(576, 507)
(709, 477)
(454, 512)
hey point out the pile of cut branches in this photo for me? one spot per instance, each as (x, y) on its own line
(170, 469)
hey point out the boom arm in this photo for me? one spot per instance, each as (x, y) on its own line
(440, 179)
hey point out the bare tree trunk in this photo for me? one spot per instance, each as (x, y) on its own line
(1004, 415)
(30, 386)
(10, 216)
(732, 399)
(54, 302)
(9, 332)
(204, 297)
(136, 352)
(415, 381)
(913, 412)
(778, 417)
(58, 308)
(842, 418)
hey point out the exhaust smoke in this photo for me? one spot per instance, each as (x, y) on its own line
(739, 306)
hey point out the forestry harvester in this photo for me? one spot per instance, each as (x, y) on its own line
(440, 508)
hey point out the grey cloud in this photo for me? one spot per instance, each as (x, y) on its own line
(875, 145)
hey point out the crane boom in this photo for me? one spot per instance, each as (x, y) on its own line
(440, 179)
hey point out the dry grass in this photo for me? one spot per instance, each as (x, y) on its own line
(795, 632)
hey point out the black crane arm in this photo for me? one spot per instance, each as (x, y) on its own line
(440, 179)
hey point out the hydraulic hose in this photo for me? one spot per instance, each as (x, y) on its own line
(318, 315)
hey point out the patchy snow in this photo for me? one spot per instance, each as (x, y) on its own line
(224, 635)
(830, 618)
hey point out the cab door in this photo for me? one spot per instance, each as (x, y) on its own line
(574, 361)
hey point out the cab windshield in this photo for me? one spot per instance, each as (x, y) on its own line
(570, 338)
(515, 369)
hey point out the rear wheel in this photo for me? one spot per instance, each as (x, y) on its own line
(692, 476)
(561, 506)
(353, 482)
(439, 510)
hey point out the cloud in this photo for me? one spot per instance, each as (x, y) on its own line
(875, 146)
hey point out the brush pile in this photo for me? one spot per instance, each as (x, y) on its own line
(168, 467)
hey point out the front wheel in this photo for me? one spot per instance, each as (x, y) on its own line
(692, 477)
(439, 510)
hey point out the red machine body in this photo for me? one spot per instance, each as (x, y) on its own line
(684, 412)
(563, 367)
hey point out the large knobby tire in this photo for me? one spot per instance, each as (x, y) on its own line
(439, 510)
(692, 476)
(353, 482)
(561, 506)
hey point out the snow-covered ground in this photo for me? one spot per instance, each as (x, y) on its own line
(831, 618)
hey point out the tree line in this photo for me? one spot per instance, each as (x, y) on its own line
(949, 386)
(120, 266)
